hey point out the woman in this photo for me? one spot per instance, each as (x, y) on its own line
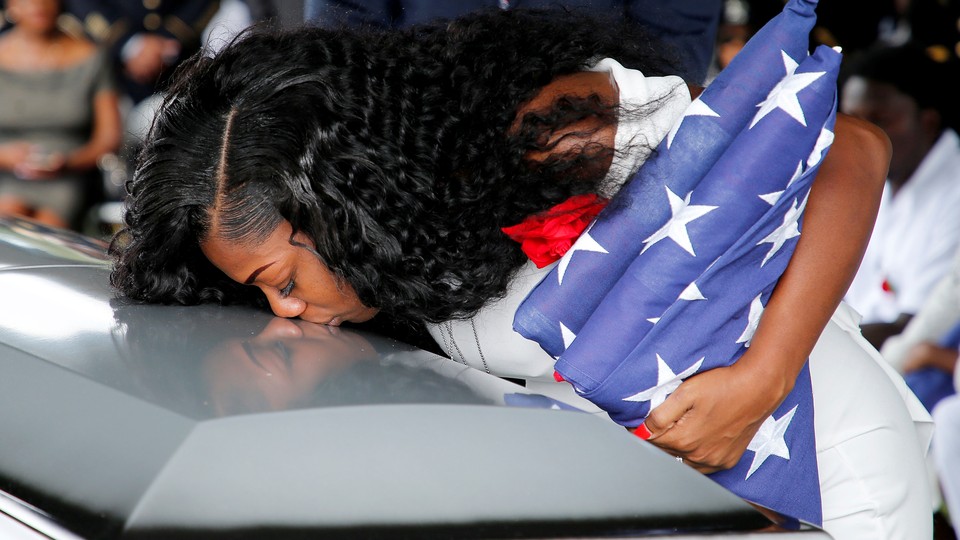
(60, 115)
(346, 174)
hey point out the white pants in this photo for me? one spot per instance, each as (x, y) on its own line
(870, 447)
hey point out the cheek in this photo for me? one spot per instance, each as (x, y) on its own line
(321, 287)
(323, 293)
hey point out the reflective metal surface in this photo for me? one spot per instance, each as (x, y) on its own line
(127, 420)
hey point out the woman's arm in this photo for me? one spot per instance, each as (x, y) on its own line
(105, 136)
(711, 418)
(926, 354)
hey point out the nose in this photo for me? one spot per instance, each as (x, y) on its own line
(289, 307)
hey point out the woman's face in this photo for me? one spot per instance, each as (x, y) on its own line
(34, 15)
(897, 114)
(293, 279)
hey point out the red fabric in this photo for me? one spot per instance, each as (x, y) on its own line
(642, 432)
(545, 237)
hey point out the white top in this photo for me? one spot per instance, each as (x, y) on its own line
(640, 126)
(914, 240)
(487, 341)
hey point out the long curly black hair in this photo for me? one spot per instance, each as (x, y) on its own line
(392, 150)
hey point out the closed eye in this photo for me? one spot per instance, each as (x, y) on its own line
(285, 292)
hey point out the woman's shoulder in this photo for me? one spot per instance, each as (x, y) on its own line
(78, 50)
(5, 46)
(71, 53)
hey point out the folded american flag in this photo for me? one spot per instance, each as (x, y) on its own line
(672, 277)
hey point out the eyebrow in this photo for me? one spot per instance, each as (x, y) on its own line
(256, 273)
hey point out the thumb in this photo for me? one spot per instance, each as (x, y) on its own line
(662, 419)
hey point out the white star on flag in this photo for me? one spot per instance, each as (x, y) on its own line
(676, 228)
(568, 336)
(823, 142)
(753, 321)
(696, 108)
(692, 292)
(772, 198)
(796, 174)
(769, 441)
(789, 229)
(584, 243)
(784, 94)
(667, 382)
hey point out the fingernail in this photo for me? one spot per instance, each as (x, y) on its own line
(642, 432)
(558, 377)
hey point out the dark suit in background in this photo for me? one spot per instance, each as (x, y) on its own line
(688, 25)
(147, 38)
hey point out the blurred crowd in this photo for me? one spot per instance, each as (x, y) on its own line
(79, 80)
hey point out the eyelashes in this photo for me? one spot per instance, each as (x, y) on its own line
(285, 292)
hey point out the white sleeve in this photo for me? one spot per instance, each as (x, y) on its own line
(938, 314)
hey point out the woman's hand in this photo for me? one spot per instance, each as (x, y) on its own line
(14, 154)
(712, 417)
(153, 54)
(106, 135)
(41, 167)
(29, 161)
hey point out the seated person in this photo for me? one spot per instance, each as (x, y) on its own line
(60, 115)
(908, 95)
(926, 351)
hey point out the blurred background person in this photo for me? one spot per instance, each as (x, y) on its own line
(854, 26)
(59, 115)
(186, 27)
(232, 17)
(926, 352)
(946, 449)
(689, 26)
(146, 38)
(929, 23)
(214, 30)
(909, 94)
(739, 21)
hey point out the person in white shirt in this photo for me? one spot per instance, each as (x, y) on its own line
(907, 94)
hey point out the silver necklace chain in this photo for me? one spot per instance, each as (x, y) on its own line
(450, 343)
